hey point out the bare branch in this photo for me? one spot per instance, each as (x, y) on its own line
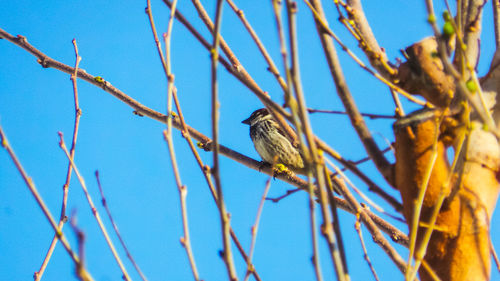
(343, 91)
(62, 217)
(272, 67)
(470, 58)
(206, 173)
(315, 162)
(370, 225)
(224, 216)
(471, 14)
(94, 210)
(239, 72)
(373, 52)
(80, 237)
(115, 227)
(357, 226)
(369, 115)
(496, 21)
(322, 22)
(255, 228)
(34, 191)
(205, 142)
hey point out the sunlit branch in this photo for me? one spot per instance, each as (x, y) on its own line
(322, 21)
(357, 226)
(94, 210)
(372, 49)
(273, 106)
(182, 189)
(343, 91)
(115, 227)
(478, 105)
(206, 173)
(292, 103)
(272, 66)
(62, 217)
(369, 115)
(239, 72)
(41, 203)
(332, 237)
(224, 216)
(80, 237)
(370, 225)
(205, 142)
(255, 228)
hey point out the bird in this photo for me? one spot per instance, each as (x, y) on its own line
(271, 142)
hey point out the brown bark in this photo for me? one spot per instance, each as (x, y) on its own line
(423, 74)
(459, 246)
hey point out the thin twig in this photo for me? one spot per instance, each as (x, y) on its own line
(369, 115)
(155, 35)
(369, 43)
(115, 227)
(270, 104)
(186, 240)
(272, 66)
(321, 21)
(255, 229)
(374, 230)
(344, 93)
(357, 226)
(94, 210)
(206, 173)
(80, 237)
(62, 217)
(363, 160)
(418, 203)
(332, 237)
(359, 192)
(292, 103)
(478, 105)
(166, 62)
(239, 72)
(224, 217)
(285, 195)
(34, 191)
(495, 256)
(205, 142)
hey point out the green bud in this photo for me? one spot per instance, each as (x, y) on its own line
(448, 29)
(471, 85)
(431, 18)
(446, 16)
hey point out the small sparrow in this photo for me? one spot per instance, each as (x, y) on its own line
(271, 142)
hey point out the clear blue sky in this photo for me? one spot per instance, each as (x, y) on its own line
(115, 42)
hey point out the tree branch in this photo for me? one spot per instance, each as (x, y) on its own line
(343, 91)
(204, 141)
(370, 46)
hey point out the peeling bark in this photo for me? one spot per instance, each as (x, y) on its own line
(459, 246)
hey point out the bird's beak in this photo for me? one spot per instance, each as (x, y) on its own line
(246, 121)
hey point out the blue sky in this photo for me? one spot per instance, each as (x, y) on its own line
(115, 42)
